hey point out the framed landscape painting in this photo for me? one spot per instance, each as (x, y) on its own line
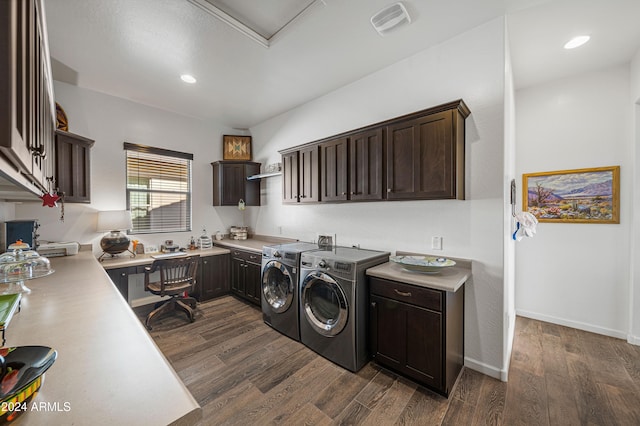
(573, 196)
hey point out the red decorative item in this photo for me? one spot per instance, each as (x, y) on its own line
(49, 200)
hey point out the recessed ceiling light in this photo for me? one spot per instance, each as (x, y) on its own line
(187, 78)
(577, 42)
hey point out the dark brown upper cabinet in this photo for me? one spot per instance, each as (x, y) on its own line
(73, 167)
(27, 111)
(300, 183)
(290, 193)
(365, 166)
(425, 154)
(419, 156)
(333, 170)
(230, 184)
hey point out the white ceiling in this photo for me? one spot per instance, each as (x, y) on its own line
(137, 49)
(267, 20)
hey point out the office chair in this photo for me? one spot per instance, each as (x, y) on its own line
(177, 276)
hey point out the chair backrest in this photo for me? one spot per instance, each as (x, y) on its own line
(173, 272)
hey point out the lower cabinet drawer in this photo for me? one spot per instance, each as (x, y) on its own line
(419, 296)
(249, 256)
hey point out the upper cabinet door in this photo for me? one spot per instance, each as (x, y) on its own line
(290, 192)
(27, 114)
(73, 166)
(365, 166)
(333, 170)
(309, 174)
(230, 184)
(421, 158)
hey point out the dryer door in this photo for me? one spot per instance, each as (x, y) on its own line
(277, 286)
(324, 304)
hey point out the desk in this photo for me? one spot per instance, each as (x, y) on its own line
(212, 278)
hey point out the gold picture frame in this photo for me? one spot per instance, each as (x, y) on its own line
(573, 196)
(236, 147)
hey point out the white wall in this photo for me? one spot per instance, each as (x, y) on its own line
(110, 121)
(7, 211)
(634, 289)
(509, 222)
(577, 274)
(470, 66)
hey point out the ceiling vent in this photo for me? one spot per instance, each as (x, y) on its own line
(390, 17)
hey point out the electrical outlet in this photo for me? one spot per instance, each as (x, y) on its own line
(150, 249)
(436, 243)
(279, 230)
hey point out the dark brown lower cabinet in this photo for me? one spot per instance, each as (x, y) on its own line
(212, 277)
(120, 277)
(246, 269)
(418, 332)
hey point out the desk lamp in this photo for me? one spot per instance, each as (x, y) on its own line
(115, 241)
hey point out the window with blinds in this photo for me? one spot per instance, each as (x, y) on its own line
(158, 189)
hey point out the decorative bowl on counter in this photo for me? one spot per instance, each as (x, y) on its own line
(22, 374)
(423, 264)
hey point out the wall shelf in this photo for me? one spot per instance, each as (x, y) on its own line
(264, 175)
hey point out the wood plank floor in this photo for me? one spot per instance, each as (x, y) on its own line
(243, 372)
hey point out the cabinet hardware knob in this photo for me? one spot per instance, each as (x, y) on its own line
(344, 193)
(38, 151)
(373, 304)
(402, 293)
(353, 193)
(388, 189)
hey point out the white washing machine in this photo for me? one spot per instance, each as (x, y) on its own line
(333, 303)
(279, 288)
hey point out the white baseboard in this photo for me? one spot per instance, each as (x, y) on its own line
(486, 369)
(633, 340)
(574, 324)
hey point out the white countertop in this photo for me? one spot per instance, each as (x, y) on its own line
(449, 279)
(109, 369)
(124, 260)
(255, 243)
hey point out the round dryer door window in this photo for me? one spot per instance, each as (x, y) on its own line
(325, 305)
(277, 286)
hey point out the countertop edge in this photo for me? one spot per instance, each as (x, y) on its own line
(250, 244)
(64, 311)
(147, 259)
(452, 281)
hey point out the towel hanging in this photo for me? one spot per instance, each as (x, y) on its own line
(525, 226)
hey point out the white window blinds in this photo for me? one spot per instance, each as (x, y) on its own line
(158, 189)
